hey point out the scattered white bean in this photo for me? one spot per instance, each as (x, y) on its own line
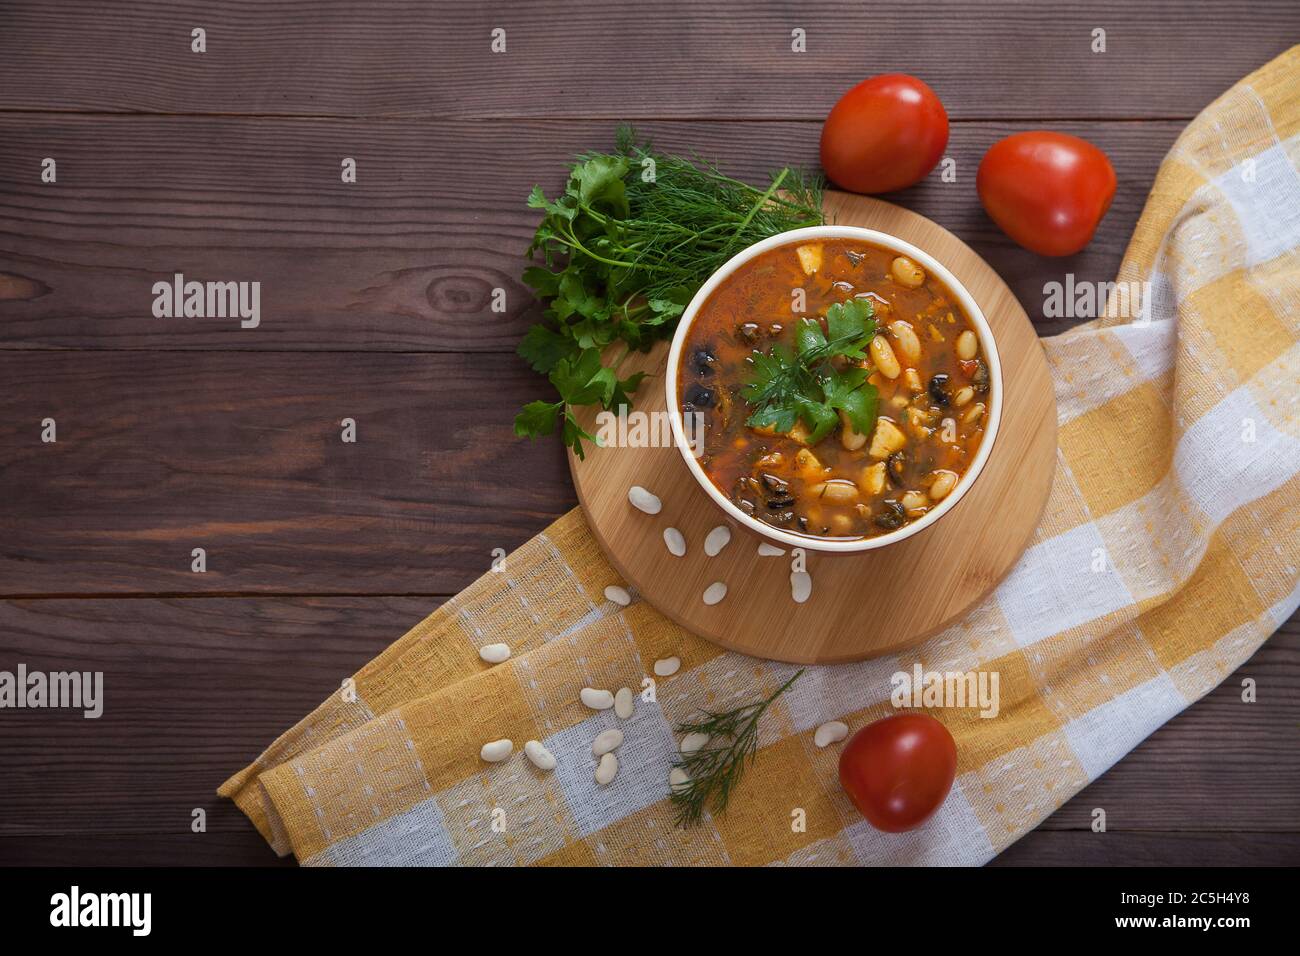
(675, 541)
(668, 666)
(496, 751)
(800, 586)
(606, 741)
(644, 500)
(678, 779)
(766, 550)
(596, 699)
(692, 743)
(624, 703)
(607, 769)
(715, 592)
(542, 758)
(618, 595)
(717, 539)
(494, 653)
(831, 732)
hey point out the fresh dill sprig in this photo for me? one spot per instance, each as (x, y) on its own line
(716, 768)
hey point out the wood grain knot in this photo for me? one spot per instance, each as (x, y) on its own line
(20, 287)
(452, 294)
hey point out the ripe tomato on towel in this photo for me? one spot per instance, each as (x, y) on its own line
(898, 770)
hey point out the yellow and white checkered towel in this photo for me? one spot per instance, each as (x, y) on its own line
(1167, 555)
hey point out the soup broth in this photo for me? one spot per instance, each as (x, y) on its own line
(923, 366)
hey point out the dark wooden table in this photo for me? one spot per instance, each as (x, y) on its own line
(175, 434)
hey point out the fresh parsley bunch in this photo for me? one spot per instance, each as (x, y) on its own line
(624, 248)
(787, 386)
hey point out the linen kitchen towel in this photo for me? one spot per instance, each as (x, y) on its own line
(1167, 555)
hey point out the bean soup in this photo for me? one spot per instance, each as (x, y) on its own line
(843, 390)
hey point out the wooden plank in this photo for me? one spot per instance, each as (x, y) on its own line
(406, 258)
(241, 454)
(1221, 765)
(674, 58)
(1075, 848)
(243, 848)
(196, 687)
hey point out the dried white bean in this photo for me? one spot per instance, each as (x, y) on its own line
(800, 586)
(692, 743)
(675, 541)
(766, 550)
(716, 540)
(624, 703)
(607, 769)
(668, 666)
(618, 595)
(494, 653)
(596, 699)
(678, 779)
(542, 758)
(715, 592)
(831, 732)
(606, 741)
(496, 751)
(644, 500)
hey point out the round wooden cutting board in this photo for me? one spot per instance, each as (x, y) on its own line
(862, 604)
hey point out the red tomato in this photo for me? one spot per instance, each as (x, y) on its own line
(898, 770)
(884, 134)
(1047, 191)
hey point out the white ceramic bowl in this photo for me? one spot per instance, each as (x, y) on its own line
(988, 349)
